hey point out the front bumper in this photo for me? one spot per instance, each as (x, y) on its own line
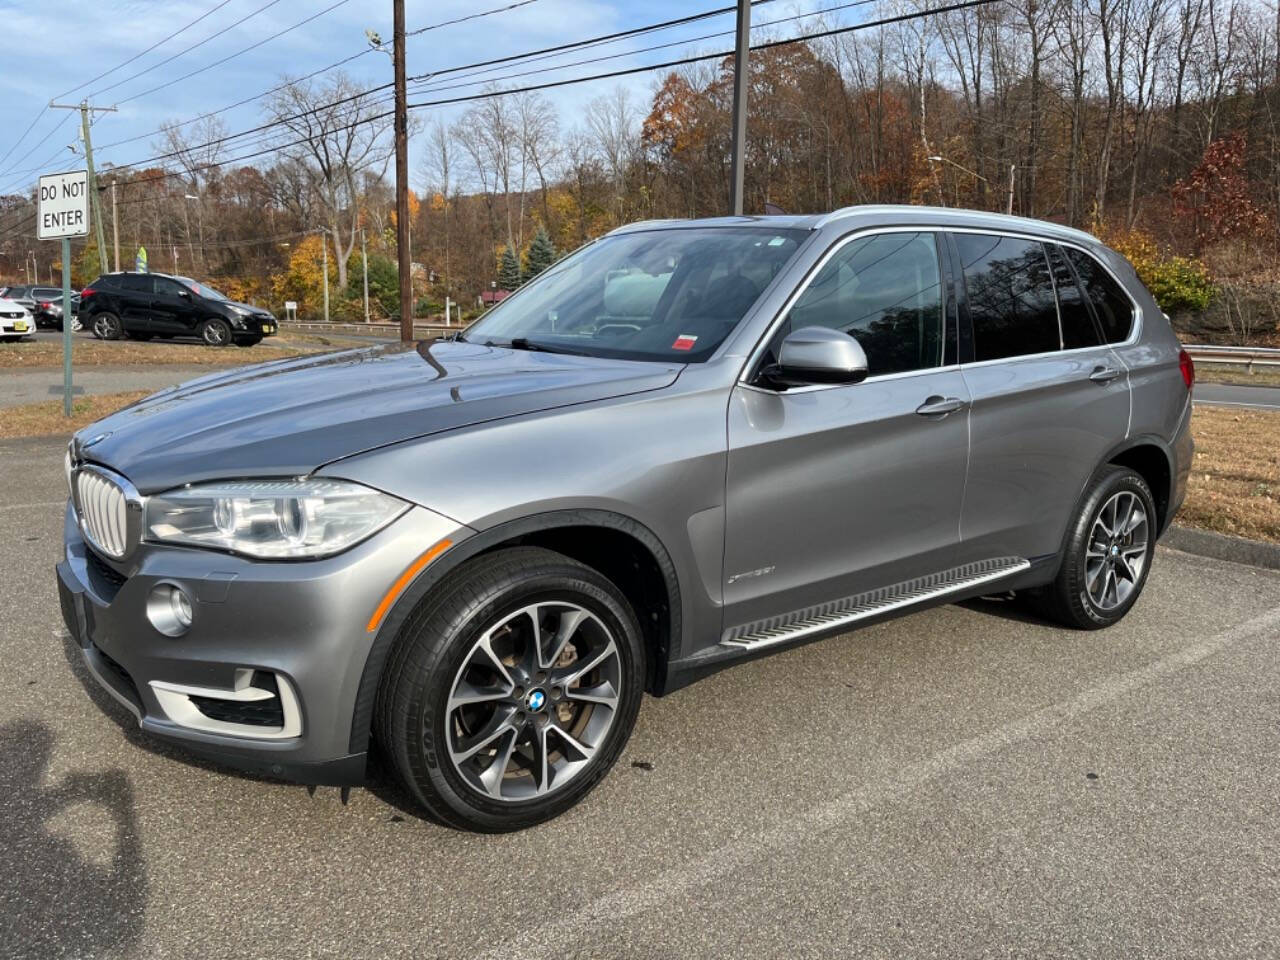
(303, 623)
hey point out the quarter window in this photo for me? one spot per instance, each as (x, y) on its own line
(1010, 296)
(1078, 328)
(1110, 303)
(885, 291)
(136, 283)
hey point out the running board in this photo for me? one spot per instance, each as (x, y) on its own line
(839, 613)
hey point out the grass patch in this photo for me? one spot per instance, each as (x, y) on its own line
(1235, 480)
(1238, 373)
(45, 418)
(87, 352)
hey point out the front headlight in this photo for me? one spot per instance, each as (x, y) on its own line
(270, 519)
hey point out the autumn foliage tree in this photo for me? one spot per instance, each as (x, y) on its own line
(1215, 198)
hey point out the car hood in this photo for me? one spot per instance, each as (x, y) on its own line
(289, 417)
(256, 311)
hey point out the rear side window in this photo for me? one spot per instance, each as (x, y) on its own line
(1078, 328)
(1111, 304)
(136, 283)
(885, 291)
(1010, 295)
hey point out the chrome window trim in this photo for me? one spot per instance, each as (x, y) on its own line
(1134, 334)
(822, 261)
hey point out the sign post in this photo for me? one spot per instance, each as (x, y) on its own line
(63, 214)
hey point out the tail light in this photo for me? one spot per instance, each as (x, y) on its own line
(87, 292)
(1187, 368)
(44, 304)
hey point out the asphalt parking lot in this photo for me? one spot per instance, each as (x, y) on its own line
(961, 782)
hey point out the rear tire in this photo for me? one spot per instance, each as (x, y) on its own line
(107, 326)
(490, 732)
(1108, 554)
(215, 332)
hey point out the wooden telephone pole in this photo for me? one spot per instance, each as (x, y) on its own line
(403, 253)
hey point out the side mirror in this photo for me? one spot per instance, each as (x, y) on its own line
(817, 355)
(185, 294)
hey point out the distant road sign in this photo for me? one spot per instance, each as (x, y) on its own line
(64, 205)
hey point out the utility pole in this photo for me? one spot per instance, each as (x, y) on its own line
(403, 254)
(740, 87)
(324, 247)
(86, 120)
(1012, 169)
(115, 225)
(364, 262)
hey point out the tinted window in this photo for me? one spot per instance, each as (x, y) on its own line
(1112, 305)
(1078, 328)
(136, 283)
(1010, 295)
(168, 288)
(885, 291)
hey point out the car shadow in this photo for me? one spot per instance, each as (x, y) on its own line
(74, 882)
(1016, 608)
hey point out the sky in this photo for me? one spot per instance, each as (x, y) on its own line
(111, 33)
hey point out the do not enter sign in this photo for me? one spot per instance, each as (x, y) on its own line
(64, 205)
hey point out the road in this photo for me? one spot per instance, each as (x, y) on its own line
(1238, 395)
(961, 782)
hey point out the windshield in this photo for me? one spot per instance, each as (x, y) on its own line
(207, 292)
(671, 294)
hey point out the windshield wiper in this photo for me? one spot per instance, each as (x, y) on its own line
(524, 343)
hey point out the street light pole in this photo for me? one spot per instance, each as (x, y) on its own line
(1012, 169)
(324, 247)
(364, 263)
(740, 87)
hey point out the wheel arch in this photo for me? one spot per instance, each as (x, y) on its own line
(619, 547)
(1152, 458)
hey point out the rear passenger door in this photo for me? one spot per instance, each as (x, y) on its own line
(1049, 396)
(135, 292)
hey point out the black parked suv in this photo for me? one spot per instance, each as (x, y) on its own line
(146, 305)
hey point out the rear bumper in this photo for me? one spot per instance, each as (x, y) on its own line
(1183, 450)
(304, 624)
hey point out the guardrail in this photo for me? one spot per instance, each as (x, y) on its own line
(377, 328)
(1246, 356)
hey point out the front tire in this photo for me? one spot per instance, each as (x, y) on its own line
(215, 332)
(512, 690)
(107, 326)
(1108, 554)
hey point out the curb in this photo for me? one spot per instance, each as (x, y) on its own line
(1220, 546)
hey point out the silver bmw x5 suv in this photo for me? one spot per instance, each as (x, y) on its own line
(686, 444)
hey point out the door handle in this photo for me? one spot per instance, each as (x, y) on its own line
(937, 406)
(1104, 374)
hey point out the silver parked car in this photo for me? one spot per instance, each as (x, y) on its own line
(685, 444)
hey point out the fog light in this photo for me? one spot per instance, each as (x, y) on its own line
(169, 609)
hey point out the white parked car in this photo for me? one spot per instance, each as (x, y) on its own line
(16, 322)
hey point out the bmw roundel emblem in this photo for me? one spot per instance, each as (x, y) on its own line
(536, 700)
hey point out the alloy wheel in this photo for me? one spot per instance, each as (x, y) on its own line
(216, 333)
(533, 701)
(103, 328)
(1116, 553)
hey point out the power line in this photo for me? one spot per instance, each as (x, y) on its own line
(186, 50)
(490, 94)
(470, 16)
(679, 21)
(238, 53)
(139, 56)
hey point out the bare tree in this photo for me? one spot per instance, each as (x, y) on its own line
(336, 130)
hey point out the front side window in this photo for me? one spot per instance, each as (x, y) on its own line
(1110, 303)
(885, 291)
(168, 288)
(1010, 295)
(667, 295)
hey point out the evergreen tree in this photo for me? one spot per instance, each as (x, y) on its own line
(508, 270)
(541, 254)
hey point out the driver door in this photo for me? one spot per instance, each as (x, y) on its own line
(835, 490)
